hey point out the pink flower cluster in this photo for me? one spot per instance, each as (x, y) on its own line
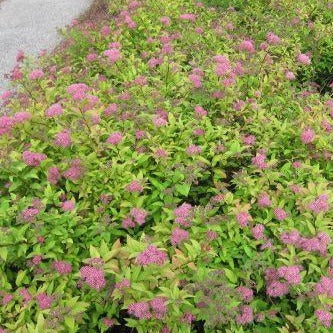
(124, 283)
(78, 91)
(36, 74)
(183, 214)
(152, 255)
(115, 138)
(307, 136)
(54, 110)
(200, 111)
(245, 316)
(75, 171)
(245, 293)
(33, 159)
(280, 214)
(53, 175)
(113, 55)
(247, 46)
(134, 186)
(154, 309)
(44, 301)
(193, 150)
(178, 236)
(93, 276)
(272, 38)
(136, 216)
(29, 214)
(320, 204)
(318, 243)
(243, 218)
(62, 267)
(63, 139)
(264, 200)
(324, 317)
(259, 161)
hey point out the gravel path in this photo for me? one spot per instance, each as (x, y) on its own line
(31, 25)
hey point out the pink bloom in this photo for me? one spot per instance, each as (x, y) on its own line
(105, 31)
(91, 56)
(324, 317)
(26, 295)
(6, 124)
(290, 76)
(37, 259)
(258, 231)
(115, 138)
(196, 80)
(159, 121)
(113, 55)
(108, 322)
(21, 117)
(307, 135)
(63, 139)
(188, 318)
(53, 175)
(243, 218)
(16, 73)
(325, 286)
(320, 204)
(62, 267)
(20, 56)
(128, 223)
(78, 91)
(6, 299)
(264, 200)
(140, 310)
(165, 20)
(249, 140)
(303, 59)
(188, 17)
(54, 110)
(139, 215)
(211, 235)
(183, 214)
(280, 214)
(75, 171)
(152, 255)
(44, 301)
(198, 131)
(36, 74)
(33, 159)
(140, 134)
(93, 276)
(193, 150)
(272, 38)
(200, 111)
(125, 283)
(290, 273)
(162, 153)
(68, 205)
(259, 161)
(277, 289)
(178, 236)
(246, 315)
(291, 237)
(159, 307)
(247, 45)
(29, 214)
(111, 109)
(246, 293)
(134, 186)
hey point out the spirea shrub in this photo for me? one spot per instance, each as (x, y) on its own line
(169, 170)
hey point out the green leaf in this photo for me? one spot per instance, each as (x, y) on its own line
(230, 275)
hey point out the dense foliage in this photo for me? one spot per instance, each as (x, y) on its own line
(172, 169)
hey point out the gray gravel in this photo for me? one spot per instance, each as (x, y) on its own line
(31, 25)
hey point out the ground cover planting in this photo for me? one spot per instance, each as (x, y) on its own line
(169, 169)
